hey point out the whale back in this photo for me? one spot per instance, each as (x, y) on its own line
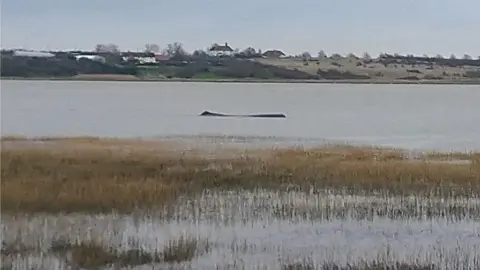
(265, 115)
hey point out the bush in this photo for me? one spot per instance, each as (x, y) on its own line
(472, 74)
(432, 77)
(410, 78)
(63, 66)
(336, 64)
(333, 74)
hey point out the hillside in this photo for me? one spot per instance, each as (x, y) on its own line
(380, 69)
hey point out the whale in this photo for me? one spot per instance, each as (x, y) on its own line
(262, 115)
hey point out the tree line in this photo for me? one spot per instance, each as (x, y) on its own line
(62, 65)
(188, 65)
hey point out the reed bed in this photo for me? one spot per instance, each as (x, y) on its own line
(237, 230)
(95, 203)
(77, 175)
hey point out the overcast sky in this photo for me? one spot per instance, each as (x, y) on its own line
(335, 26)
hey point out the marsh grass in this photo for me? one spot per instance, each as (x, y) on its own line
(309, 264)
(93, 255)
(184, 249)
(15, 248)
(73, 178)
(375, 265)
(301, 264)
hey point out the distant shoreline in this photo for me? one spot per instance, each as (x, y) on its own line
(346, 81)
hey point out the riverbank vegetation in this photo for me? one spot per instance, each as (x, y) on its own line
(176, 63)
(96, 175)
(106, 203)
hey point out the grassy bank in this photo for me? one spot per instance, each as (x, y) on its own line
(96, 175)
(247, 80)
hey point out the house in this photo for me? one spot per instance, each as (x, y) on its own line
(146, 59)
(273, 54)
(220, 50)
(24, 53)
(139, 57)
(97, 58)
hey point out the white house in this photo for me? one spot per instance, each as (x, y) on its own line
(24, 53)
(141, 59)
(220, 50)
(97, 58)
(146, 59)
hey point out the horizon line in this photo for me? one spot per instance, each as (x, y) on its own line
(160, 52)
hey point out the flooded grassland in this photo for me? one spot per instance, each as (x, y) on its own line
(89, 203)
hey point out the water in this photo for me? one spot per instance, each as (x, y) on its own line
(255, 229)
(409, 116)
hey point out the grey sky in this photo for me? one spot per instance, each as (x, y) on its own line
(407, 26)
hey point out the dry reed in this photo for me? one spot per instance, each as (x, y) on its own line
(74, 178)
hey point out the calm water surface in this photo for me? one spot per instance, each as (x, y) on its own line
(410, 116)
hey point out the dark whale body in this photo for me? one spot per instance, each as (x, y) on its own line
(264, 115)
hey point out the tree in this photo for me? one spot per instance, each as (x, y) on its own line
(352, 56)
(306, 56)
(106, 48)
(199, 54)
(439, 56)
(174, 49)
(467, 57)
(426, 56)
(336, 56)
(366, 56)
(452, 56)
(322, 55)
(152, 48)
(248, 52)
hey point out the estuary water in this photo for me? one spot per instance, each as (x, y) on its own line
(441, 117)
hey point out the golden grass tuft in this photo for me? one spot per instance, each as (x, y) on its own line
(74, 178)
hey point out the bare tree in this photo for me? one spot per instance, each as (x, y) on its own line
(366, 56)
(249, 52)
(174, 49)
(336, 56)
(467, 57)
(152, 48)
(382, 55)
(106, 48)
(322, 55)
(199, 54)
(439, 56)
(426, 56)
(352, 56)
(452, 56)
(306, 56)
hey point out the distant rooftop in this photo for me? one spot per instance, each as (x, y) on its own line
(32, 53)
(221, 48)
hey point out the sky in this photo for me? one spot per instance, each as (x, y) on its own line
(341, 26)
